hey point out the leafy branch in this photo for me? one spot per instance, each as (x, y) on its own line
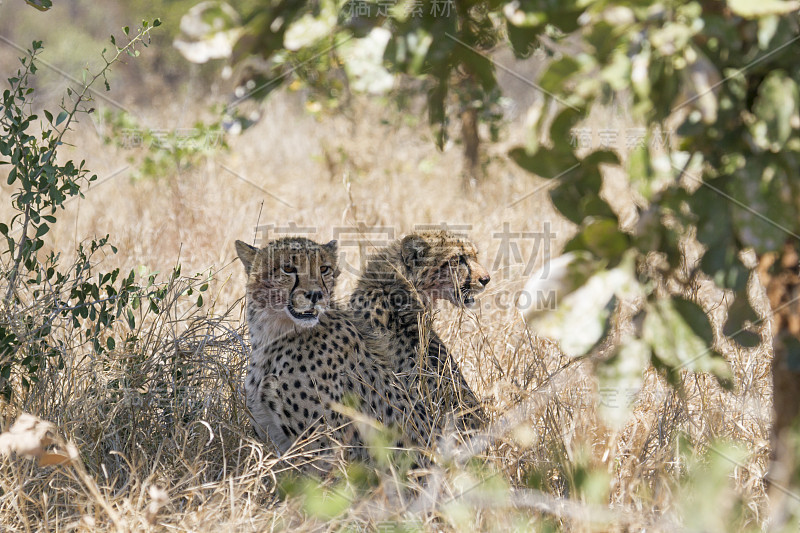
(32, 162)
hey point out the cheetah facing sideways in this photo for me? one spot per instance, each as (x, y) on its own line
(395, 296)
(307, 355)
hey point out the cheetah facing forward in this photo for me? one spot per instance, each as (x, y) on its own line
(395, 295)
(307, 355)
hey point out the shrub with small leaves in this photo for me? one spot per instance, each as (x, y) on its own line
(51, 305)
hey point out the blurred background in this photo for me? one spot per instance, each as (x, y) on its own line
(183, 183)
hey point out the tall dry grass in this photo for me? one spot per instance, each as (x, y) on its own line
(162, 434)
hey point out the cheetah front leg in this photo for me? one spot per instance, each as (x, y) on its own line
(264, 403)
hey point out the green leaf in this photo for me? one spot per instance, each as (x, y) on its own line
(572, 297)
(681, 344)
(544, 163)
(213, 30)
(61, 117)
(603, 238)
(557, 73)
(323, 503)
(437, 116)
(765, 211)
(41, 230)
(591, 162)
(775, 107)
(41, 5)
(767, 27)
(715, 231)
(522, 39)
(671, 339)
(605, 38)
(759, 8)
(578, 196)
(696, 318)
(739, 314)
(640, 171)
(565, 15)
(619, 380)
(561, 130)
(111, 343)
(706, 489)
(480, 65)
(364, 61)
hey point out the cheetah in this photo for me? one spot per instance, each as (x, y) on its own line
(307, 354)
(395, 296)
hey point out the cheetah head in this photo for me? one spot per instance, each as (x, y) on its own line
(444, 265)
(290, 281)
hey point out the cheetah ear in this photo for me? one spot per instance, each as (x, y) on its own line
(332, 247)
(413, 248)
(246, 253)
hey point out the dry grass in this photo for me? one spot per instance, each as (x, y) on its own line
(170, 414)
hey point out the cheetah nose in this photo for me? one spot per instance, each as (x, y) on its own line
(485, 280)
(314, 296)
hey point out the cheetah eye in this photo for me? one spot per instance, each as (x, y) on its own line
(325, 269)
(288, 269)
(455, 261)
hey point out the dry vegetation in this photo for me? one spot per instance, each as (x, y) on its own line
(161, 437)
